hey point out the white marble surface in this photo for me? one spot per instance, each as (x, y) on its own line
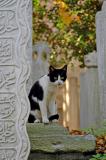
(14, 72)
(101, 50)
(40, 65)
(89, 93)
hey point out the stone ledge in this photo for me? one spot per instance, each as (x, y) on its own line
(57, 156)
(54, 140)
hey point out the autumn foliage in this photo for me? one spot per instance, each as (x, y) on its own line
(100, 141)
(101, 144)
(67, 25)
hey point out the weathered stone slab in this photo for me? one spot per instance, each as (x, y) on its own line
(53, 141)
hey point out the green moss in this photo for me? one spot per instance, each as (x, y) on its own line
(40, 128)
(100, 131)
(55, 138)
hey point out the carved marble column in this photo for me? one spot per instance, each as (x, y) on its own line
(14, 72)
(101, 52)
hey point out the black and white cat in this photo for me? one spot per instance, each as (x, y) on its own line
(42, 96)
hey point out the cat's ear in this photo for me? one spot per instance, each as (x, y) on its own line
(65, 68)
(51, 68)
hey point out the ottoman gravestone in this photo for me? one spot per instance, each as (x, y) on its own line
(14, 72)
(89, 93)
(40, 60)
(101, 54)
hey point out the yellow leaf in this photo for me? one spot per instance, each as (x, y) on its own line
(76, 18)
(61, 4)
(65, 16)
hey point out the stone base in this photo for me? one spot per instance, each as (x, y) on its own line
(53, 142)
(59, 156)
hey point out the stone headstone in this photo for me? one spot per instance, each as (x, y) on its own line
(14, 72)
(101, 1)
(41, 52)
(29, 46)
(89, 93)
(101, 53)
(90, 60)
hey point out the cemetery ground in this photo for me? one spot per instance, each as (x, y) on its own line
(100, 138)
(55, 142)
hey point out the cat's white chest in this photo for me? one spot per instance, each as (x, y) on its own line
(51, 92)
(52, 89)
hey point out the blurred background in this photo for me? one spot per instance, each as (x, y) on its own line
(64, 32)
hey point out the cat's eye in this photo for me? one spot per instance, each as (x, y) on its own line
(62, 78)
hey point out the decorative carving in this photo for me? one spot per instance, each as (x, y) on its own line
(14, 73)
(7, 105)
(7, 2)
(23, 117)
(7, 132)
(6, 50)
(8, 154)
(7, 21)
(25, 70)
(7, 78)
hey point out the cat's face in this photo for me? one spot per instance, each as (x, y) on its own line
(58, 76)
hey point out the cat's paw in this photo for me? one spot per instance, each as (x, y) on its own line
(55, 121)
(37, 121)
(45, 121)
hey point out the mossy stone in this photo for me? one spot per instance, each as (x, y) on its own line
(54, 138)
